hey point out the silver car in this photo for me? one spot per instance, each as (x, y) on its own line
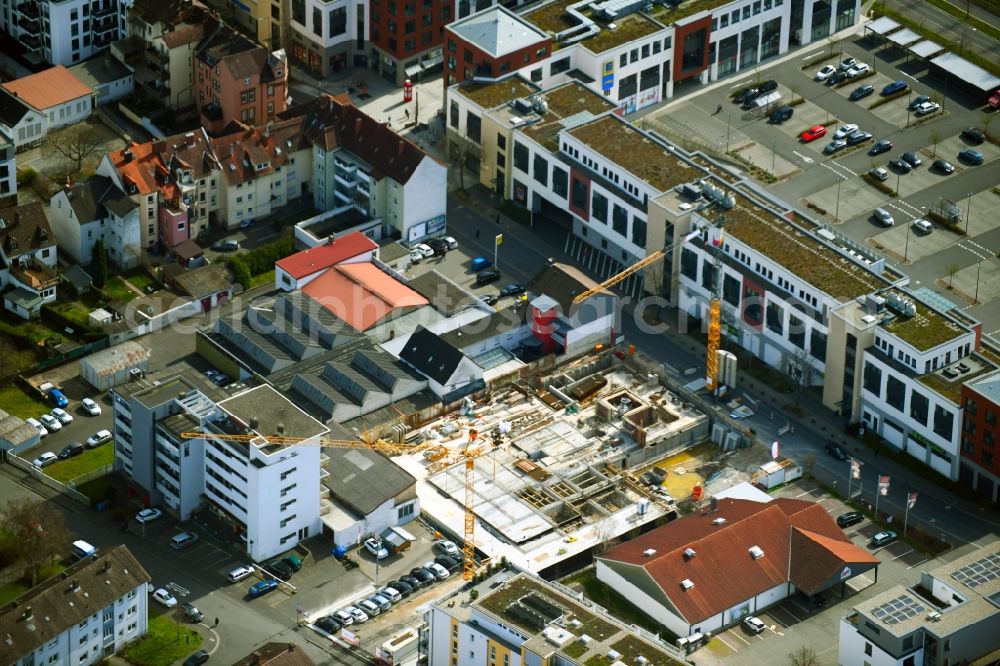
(883, 217)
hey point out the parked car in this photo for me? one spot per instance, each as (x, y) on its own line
(857, 137)
(424, 249)
(192, 613)
(479, 264)
(183, 540)
(767, 86)
(813, 133)
(239, 573)
(294, 562)
(452, 243)
(884, 538)
(45, 459)
(883, 217)
(329, 624)
(513, 289)
(880, 146)
(834, 146)
(343, 617)
(424, 576)
(857, 69)
(781, 115)
(279, 569)
(879, 173)
(91, 407)
(383, 603)
(850, 518)
(401, 586)
(861, 92)
(447, 547)
(358, 614)
(754, 625)
(836, 450)
(917, 101)
(439, 571)
(98, 438)
(390, 593)
(412, 581)
(922, 226)
(261, 588)
(375, 547)
(51, 423)
(62, 415)
(900, 166)
(164, 597)
(944, 166)
(70, 450)
(197, 658)
(973, 135)
(894, 87)
(489, 299)
(847, 63)
(745, 94)
(57, 398)
(844, 130)
(439, 246)
(35, 423)
(912, 159)
(370, 608)
(836, 78)
(825, 73)
(148, 516)
(927, 107)
(226, 246)
(448, 561)
(970, 156)
(487, 276)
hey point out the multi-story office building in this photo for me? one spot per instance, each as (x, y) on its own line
(980, 467)
(329, 36)
(63, 32)
(94, 608)
(949, 616)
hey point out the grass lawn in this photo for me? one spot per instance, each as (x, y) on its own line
(96, 489)
(142, 279)
(12, 591)
(91, 459)
(18, 402)
(116, 290)
(162, 645)
(616, 604)
(75, 311)
(266, 277)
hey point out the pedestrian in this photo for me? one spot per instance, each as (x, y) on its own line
(407, 112)
(477, 233)
(718, 109)
(216, 621)
(498, 218)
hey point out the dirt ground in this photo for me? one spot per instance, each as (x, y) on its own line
(694, 466)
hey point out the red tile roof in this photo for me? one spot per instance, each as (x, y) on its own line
(326, 255)
(48, 88)
(361, 294)
(722, 569)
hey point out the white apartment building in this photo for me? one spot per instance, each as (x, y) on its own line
(95, 209)
(63, 32)
(266, 495)
(8, 162)
(329, 36)
(97, 607)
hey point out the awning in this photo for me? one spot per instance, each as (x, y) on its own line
(413, 70)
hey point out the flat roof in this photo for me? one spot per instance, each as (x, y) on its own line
(904, 37)
(630, 149)
(925, 330)
(951, 387)
(569, 104)
(493, 94)
(270, 409)
(926, 48)
(498, 31)
(966, 71)
(683, 10)
(882, 26)
(988, 387)
(627, 29)
(553, 19)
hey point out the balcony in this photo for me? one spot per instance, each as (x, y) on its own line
(35, 276)
(29, 25)
(348, 181)
(99, 12)
(161, 57)
(103, 27)
(30, 42)
(29, 9)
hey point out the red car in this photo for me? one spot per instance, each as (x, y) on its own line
(813, 133)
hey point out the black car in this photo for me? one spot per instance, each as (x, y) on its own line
(781, 115)
(857, 137)
(880, 146)
(279, 569)
(917, 101)
(70, 450)
(911, 159)
(447, 561)
(490, 299)
(850, 518)
(861, 92)
(487, 276)
(226, 246)
(944, 166)
(329, 624)
(837, 77)
(745, 94)
(973, 135)
(767, 86)
(294, 562)
(424, 576)
(513, 289)
(192, 613)
(836, 450)
(401, 586)
(197, 659)
(439, 246)
(900, 166)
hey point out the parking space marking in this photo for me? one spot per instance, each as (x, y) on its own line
(804, 158)
(795, 618)
(902, 554)
(740, 84)
(724, 642)
(962, 244)
(799, 606)
(771, 616)
(810, 55)
(811, 490)
(910, 206)
(733, 630)
(917, 564)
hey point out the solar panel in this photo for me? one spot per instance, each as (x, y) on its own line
(933, 298)
(979, 572)
(898, 610)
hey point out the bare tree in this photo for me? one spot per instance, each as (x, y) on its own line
(803, 656)
(39, 530)
(461, 150)
(987, 118)
(936, 137)
(800, 371)
(76, 144)
(951, 269)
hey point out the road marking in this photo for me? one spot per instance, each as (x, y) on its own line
(719, 636)
(804, 158)
(910, 206)
(975, 252)
(903, 554)
(810, 55)
(183, 591)
(833, 166)
(739, 83)
(733, 633)
(807, 492)
(908, 75)
(917, 564)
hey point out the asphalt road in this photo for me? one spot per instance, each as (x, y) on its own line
(949, 27)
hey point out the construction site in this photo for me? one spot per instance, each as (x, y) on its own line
(551, 463)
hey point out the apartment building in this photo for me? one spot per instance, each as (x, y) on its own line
(266, 495)
(64, 32)
(406, 36)
(169, 32)
(8, 163)
(980, 398)
(95, 209)
(329, 36)
(949, 616)
(84, 615)
(519, 620)
(27, 260)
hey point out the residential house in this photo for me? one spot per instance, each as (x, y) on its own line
(276, 654)
(8, 165)
(450, 373)
(93, 609)
(238, 80)
(27, 259)
(106, 76)
(561, 323)
(95, 209)
(56, 94)
(706, 571)
(170, 32)
(209, 285)
(297, 270)
(405, 36)
(64, 32)
(328, 37)
(24, 125)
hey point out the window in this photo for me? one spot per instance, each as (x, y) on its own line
(405, 511)
(453, 114)
(919, 407)
(247, 96)
(943, 422)
(730, 290)
(599, 207)
(473, 126)
(338, 21)
(521, 156)
(619, 220)
(873, 379)
(501, 142)
(774, 318)
(796, 331)
(639, 231)
(895, 393)
(559, 66)
(541, 170)
(868, 649)
(288, 472)
(817, 345)
(317, 21)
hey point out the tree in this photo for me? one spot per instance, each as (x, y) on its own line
(76, 143)
(800, 371)
(99, 264)
(241, 272)
(987, 117)
(951, 270)
(39, 532)
(12, 359)
(803, 656)
(935, 139)
(461, 149)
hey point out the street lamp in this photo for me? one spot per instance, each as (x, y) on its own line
(968, 212)
(728, 124)
(906, 248)
(836, 214)
(979, 264)
(909, 100)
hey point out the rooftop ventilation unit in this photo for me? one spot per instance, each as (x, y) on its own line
(689, 553)
(686, 584)
(649, 552)
(756, 552)
(934, 616)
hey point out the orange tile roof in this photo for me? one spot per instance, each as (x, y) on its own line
(819, 558)
(361, 294)
(328, 254)
(49, 88)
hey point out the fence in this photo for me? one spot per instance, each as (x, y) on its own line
(90, 476)
(41, 476)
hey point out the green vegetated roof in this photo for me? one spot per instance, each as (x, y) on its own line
(952, 390)
(492, 95)
(627, 29)
(685, 9)
(563, 102)
(800, 253)
(926, 330)
(499, 601)
(635, 152)
(552, 17)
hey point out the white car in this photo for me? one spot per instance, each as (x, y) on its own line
(448, 547)
(452, 243)
(424, 249)
(45, 459)
(927, 107)
(883, 217)
(356, 613)
(165, 598)
(239, 573)
(825, 73)
(439, 571)
(755, 625)
(343, 617)
(42, 432)
(741, 412)
(98, 438)
(147, 516)
(845, 130)
(90, 407)
(847, 63)
(64, 417)
(857, 69)
(416, 257)
(923, 226)
(375, 547)
(51, 423)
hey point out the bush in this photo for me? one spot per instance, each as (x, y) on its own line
(879, 185)
(261, 259)
(26, 176)
(241, 273)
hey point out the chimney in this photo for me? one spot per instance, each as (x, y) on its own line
(254, 658)
(402, 145)
(357, 125)
(291, 647)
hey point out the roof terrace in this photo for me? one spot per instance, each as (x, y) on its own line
(565, 102)
(553, 19)
(925, 330)
(492, 95)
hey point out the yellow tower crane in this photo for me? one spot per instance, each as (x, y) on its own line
(715, 241)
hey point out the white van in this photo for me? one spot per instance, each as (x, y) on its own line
(82, 550)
